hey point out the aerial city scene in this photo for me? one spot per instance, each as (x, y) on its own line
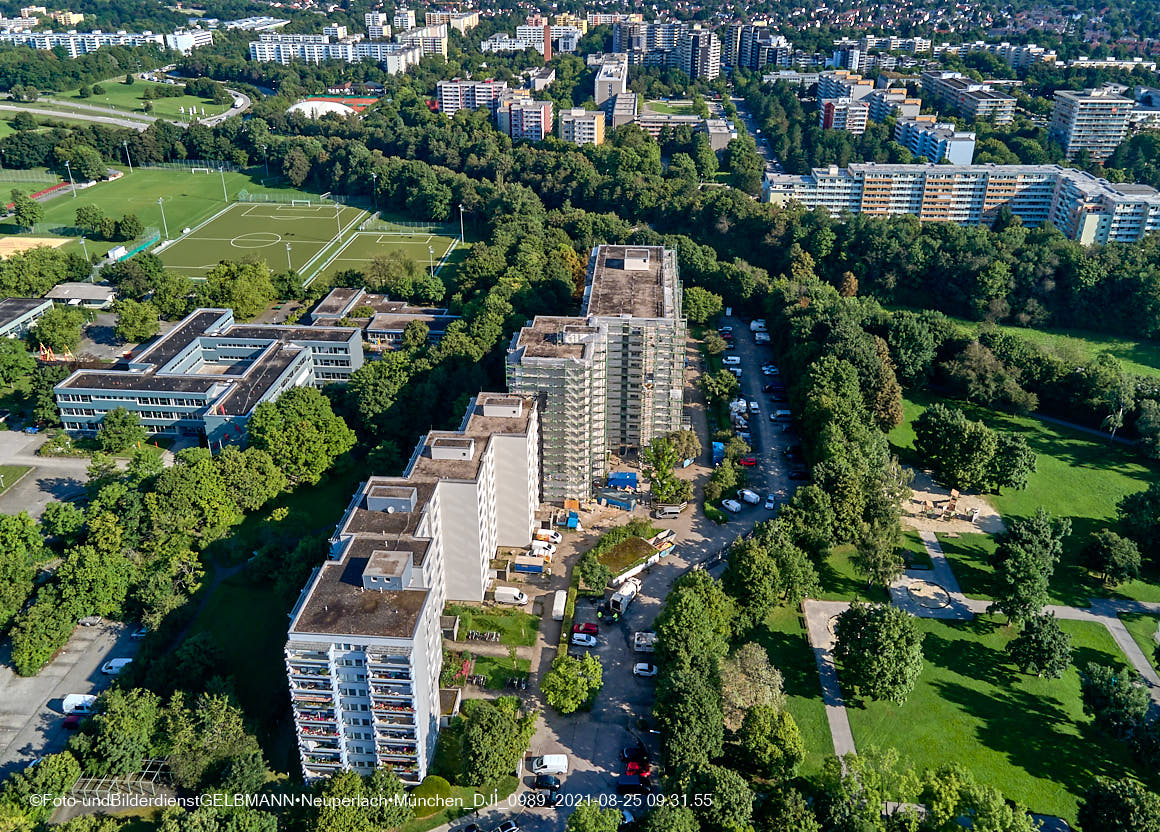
(580, 416)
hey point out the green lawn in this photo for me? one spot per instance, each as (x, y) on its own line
(1078, 476)
(914, 551)
(516, 628)
(670, 109)
(1143, 629)
(189, 198)
(1139, 357)
(121, 96)
(842, 582)
(784, 637)
(498, 669)
(9, 474)
(1025, 735)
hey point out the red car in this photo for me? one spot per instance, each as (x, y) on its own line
(747, 461)
(636, 768)
(72, 722)
(588, 629)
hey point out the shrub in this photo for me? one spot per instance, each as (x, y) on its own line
(430, 795)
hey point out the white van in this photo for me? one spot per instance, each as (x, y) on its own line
(749, 496)
(78, 703)
(510, 595)
(543, 547)
(560, 604)
(549, 764)
(668, 512)
(114, 666)
(782, 414)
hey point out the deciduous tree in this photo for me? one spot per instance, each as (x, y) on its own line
(301, 433)
(1042, 648)
(880, 651)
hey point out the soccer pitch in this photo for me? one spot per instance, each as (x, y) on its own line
(363, 247)
(293, 235)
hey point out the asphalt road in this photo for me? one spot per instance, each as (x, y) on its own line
(118, 121)
(52, 477)
(772, 164)
(593, 740)
(31, 719)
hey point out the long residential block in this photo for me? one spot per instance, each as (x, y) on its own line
(364, 648)
(1082, 206)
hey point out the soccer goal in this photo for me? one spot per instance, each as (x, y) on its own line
(300, 203)
(200, 170)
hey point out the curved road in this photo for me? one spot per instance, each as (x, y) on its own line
(122, 118)
(119, 121)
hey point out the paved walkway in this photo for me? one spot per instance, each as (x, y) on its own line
(935, 593)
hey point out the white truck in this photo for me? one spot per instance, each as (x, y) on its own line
(78, 703)
(644, 642)
(559, 605)
(510, 595)
(621, 600)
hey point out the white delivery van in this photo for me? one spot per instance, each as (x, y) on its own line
(667, 512)
(749, 496)
(510, 595)
(543, 547)
(114, 666)
(549, 536)
(549, 764)
(78, 703)
(560, 604)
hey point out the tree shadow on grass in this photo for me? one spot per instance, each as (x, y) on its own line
(791, 654)
(1030, 731)
(969, 658)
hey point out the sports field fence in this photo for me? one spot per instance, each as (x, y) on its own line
(191, 164)
(29, 176)
(385, 226)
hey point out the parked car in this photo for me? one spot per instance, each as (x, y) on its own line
(645, 669)
(587, 628)
(139, 633)
(735, 370)
(583, 640)
(749, 496)
(770, 388)
(799, 474)
(550, 536)
(114, 666)
(724, 329)
(471, 827)
(747, 461)
(770, 502)
(729, 345)
(72, 722)
(754, 407)
(546, 781)
(508, 826)
(626, 817)
(90, 621)
(731, 505)
(731, 360)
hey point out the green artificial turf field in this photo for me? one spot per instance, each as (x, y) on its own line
(284, 236)
(423, 248)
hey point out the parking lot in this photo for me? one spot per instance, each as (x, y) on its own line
(593, 740)
(51, 477)
(31, 719)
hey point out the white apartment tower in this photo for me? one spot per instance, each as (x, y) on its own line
(699, 53)
(610, 381)
(404, 20)
(1095, 121)
(364, 650)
